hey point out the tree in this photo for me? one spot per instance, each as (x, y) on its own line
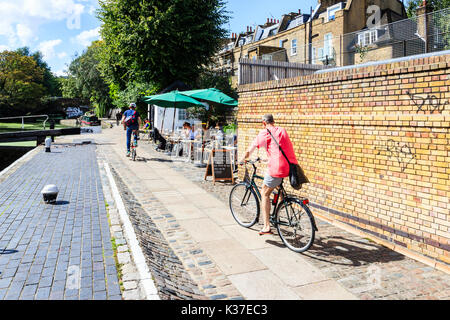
(440, 28)
(50, 82)
(434, 4)
(85, 81)
(216, 113)
(21, 83)
(159, 41)
(134, 93)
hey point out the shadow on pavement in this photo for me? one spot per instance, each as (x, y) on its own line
(6, 251)
(156, 160)
(61, 203)
(338, 250)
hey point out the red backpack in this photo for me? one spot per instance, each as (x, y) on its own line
(131, 119)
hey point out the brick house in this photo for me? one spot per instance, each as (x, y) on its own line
(314, 38)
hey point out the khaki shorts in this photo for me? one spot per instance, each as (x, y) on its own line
(272, 182)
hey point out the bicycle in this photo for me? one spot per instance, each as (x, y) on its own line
(134, 145)
(291, 216)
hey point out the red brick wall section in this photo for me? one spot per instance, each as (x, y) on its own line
(374, 142)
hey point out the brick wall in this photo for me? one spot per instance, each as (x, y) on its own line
(374, 142)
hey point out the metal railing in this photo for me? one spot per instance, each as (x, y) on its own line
(28, 117)
(418, 35)
(421, 34)
(252, 71)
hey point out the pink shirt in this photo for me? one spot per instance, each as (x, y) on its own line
(278, 167)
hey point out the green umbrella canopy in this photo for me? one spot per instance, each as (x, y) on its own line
(211, 95)
(172, 99)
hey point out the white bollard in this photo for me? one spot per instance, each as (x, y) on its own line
(48, 144)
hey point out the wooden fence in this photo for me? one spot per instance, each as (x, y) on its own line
(252, 71)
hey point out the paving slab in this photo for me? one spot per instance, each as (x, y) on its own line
(325, 290)
(231, 257)
(289, 266)
(220, 215)
(262, 285)
(249, 238)
(203, 230)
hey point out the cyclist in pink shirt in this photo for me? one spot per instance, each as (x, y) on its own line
(277, 168)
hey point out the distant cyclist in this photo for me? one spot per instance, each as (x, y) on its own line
(132, 120)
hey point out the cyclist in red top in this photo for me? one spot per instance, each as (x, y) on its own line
(277, 168)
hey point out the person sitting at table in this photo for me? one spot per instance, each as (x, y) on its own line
(202, 134)
(188, 131)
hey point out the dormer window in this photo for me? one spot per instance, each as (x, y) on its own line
(368, 37)
(331, 11)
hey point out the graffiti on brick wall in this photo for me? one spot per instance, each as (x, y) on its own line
(401, 152)
(429, 104)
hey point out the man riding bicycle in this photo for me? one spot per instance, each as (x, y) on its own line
(132, 121)
(277, 168)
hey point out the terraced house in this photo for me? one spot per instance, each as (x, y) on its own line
(333, 33)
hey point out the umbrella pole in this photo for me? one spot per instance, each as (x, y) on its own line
(174, 114)
(164, 117)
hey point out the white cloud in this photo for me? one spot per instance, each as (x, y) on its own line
(62, 55)
(20, 19)
(60, 73)
(52, 9)
(24, 34)
(48, 48)
(86, 37)
(3, 48)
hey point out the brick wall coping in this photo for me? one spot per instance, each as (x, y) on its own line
(388, 61)
(360, 117)
(419, 63)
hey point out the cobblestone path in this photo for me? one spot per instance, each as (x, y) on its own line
(60, 251)
(368, 270)
(181, 270)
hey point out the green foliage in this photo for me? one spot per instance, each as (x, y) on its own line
(217, 112)
(85, 80)
(50, 82)
(412, 6)
(362, 51)
(159, 41)
(134, 93)
(21, 83)
(440, 20)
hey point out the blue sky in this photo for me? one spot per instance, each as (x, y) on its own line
(253, 12)
(62, 28)
(58, 28)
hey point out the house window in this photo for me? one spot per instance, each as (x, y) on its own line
(182, 114)
(367, 37)
(314, 58)
(294, 47)
(328, 45)
(331, 11)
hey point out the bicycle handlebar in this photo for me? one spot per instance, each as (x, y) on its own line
(252, 161)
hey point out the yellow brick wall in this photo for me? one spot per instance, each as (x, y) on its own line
(374, 142)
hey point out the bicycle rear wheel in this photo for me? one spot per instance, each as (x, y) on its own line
(244, 205)
(295, 225)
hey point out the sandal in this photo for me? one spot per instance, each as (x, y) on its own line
(262, 233)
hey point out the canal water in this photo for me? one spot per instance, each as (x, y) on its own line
(10, 154)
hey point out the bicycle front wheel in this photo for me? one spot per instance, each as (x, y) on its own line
(244, 205)
(295, 225)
